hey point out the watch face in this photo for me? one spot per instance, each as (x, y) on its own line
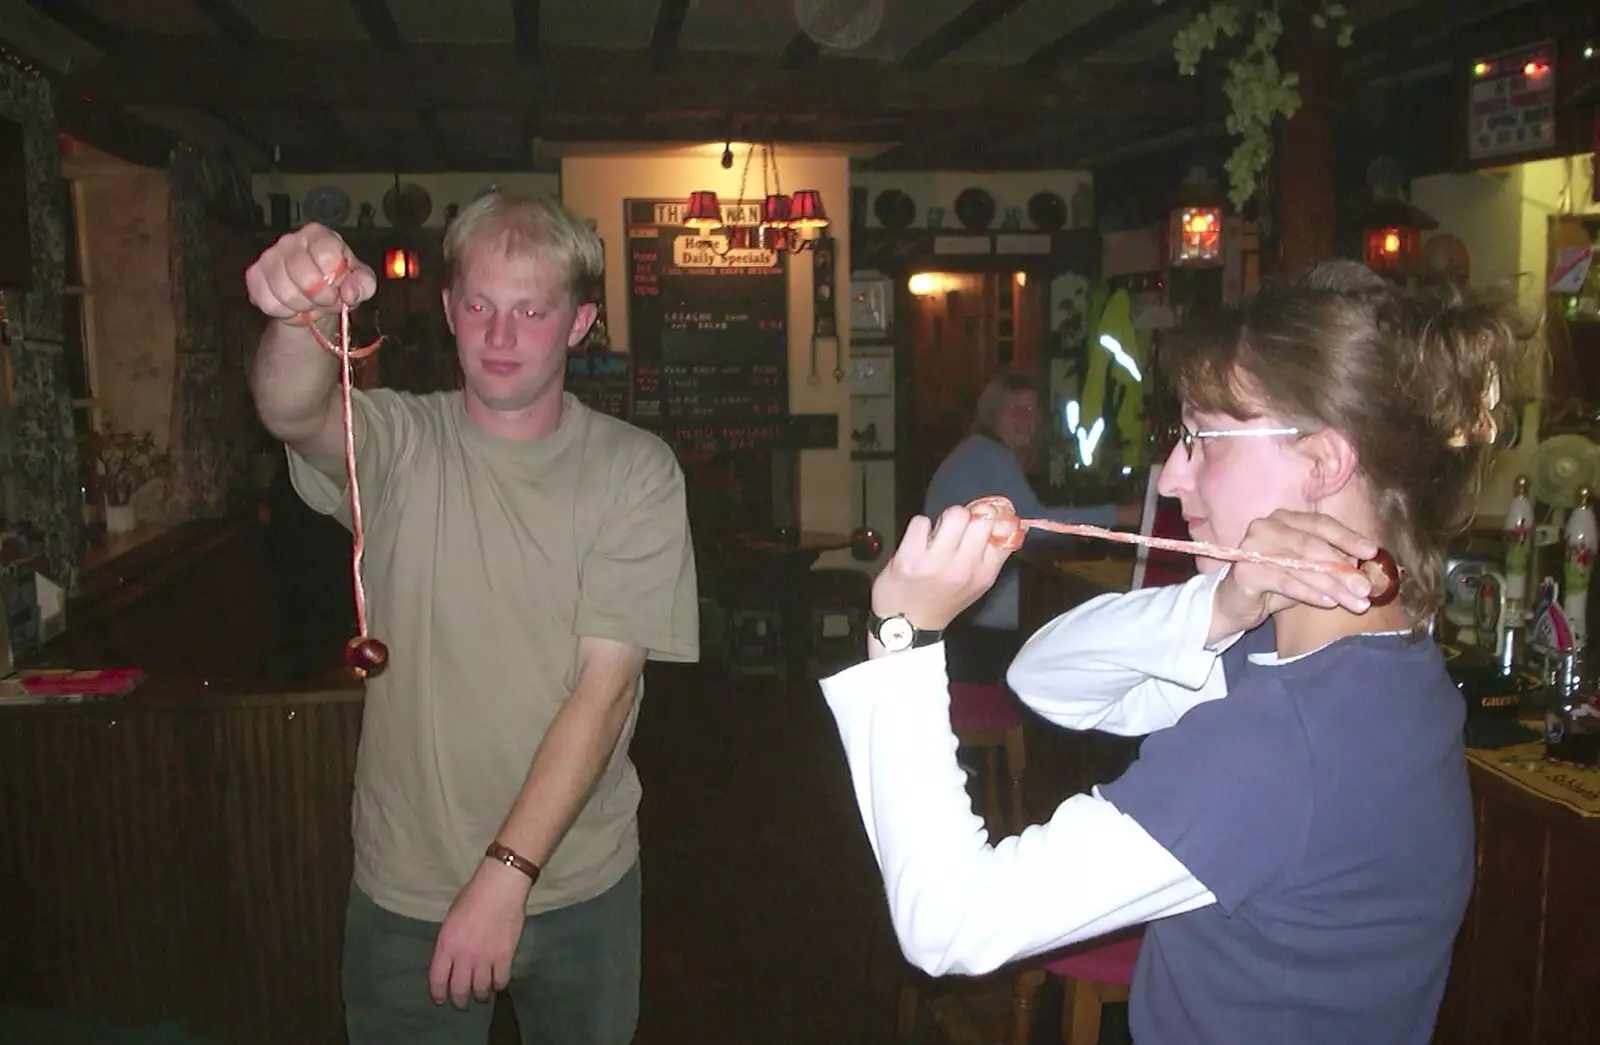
(896, 633)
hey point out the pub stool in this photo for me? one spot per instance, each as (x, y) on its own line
(838, 604)
(754, 632)
(1091, 977)
(986, 717)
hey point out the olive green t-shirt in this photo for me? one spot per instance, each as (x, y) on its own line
(485, 561)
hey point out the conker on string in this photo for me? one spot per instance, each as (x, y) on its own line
(366, 654)
(1384, 576)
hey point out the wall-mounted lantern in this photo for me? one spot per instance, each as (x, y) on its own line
(401, 263)
(1391, 231)
(1194, 237)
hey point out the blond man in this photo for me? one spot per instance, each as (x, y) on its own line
(524, 557)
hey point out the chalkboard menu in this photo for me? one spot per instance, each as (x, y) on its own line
(793, 432)
(708, 332)
(602, 381)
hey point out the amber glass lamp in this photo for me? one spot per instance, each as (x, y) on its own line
(1391, 232)
(401, 263)
(1194, 236)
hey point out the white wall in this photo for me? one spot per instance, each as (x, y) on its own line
(1484, 210)
(595, 187)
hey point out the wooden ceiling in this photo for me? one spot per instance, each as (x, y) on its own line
(413, 85)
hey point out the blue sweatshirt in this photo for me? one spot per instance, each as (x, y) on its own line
(981, 467)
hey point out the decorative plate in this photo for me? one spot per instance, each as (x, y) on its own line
(326, 205)
(407, 206)
(975, 209)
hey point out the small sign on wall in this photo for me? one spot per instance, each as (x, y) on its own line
(1511, 99)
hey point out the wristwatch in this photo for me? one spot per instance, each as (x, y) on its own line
(896, 633)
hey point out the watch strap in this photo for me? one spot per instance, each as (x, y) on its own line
(920, 637)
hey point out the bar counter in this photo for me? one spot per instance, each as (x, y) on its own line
(183, 852)
(1527, 962)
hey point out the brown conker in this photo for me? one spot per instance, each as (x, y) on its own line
(366, 654)
(1385, 577)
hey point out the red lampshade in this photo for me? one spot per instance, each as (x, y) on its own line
(703, 212)
(775, 213)
(805, 210)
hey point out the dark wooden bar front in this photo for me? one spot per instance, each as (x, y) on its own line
(182, 853)
(1527, 962)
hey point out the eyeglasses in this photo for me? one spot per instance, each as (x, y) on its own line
(1179, 433)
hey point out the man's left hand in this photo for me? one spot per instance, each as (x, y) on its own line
(472, 958)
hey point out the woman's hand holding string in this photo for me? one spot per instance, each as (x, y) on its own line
(1252, 592)
(940, 569)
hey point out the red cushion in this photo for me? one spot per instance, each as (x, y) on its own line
(982, 708)
(1109, 963)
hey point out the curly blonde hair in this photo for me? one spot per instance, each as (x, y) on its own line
(1410, 376)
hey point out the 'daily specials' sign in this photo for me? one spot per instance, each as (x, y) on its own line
(1511, 98)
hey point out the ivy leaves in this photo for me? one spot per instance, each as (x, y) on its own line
(1258, 89)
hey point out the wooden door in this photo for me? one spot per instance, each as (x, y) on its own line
(966, 328)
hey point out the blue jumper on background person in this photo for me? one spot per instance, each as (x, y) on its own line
(982, 642)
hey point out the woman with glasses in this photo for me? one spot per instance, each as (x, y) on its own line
(1297, 830)
(993, 459)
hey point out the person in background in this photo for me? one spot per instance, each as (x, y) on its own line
(993, 460)
(524, 556)
(1297, 831)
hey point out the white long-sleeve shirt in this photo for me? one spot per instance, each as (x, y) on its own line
(1127, 664)
(1303, 848)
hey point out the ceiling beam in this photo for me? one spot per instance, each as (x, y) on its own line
(378, 22)
(83, 22)
(928, 150)
(799, 52)
(1144, 144)
(230, 22)
(384, 32)
(433, 131)
(171, 71)
(526, 29)
(109, 126)
(532, 131)
(974, 20)
(110, 130)
(1095, 34)
(357, 152)
(670, 15)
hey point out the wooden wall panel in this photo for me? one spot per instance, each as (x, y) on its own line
(183, 863)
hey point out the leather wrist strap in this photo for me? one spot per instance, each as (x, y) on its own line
(501, 854)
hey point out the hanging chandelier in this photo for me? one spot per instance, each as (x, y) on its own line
(788, 223)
